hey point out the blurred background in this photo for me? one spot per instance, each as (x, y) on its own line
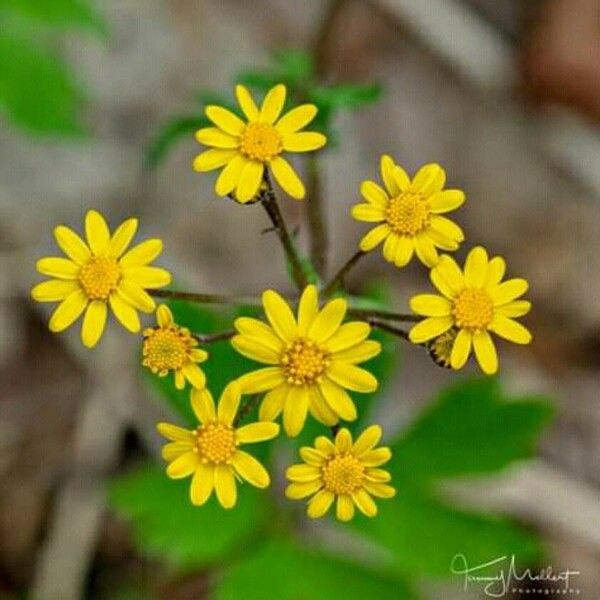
(504, 94)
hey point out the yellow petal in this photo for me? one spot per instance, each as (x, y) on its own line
(280, 315)
(203, 405)
(246, 103)
(125, 313)
(305, 141)
(374, 237)
(447, 228)
(256, 348)
(368, 213)
(328, 321)
(391, 245)
(510, 330)
(308, 309)
(68, 311)
(142, 254)
(229, 177)
(461, 349)
(364, 503)
(447, 277)
(147, 277)
(213, 159)
(377, 475)
(429, 328)
(96, 232)
(272, 403)
(311, 456)
(325, 445)
(348, 335)
(229, 403)
(93, 323)
(367, 440)
(133, 294)
(202, 484)
(225, 486)
(429, 180)
(344, 508)
(296, 119)
(445, 201)
(386, 167)
(338, 399)
(257, 432)
(272, 104)
(176, 433)
(71, 244)
(297, 491)
(320, 410)
(374, 194)
(476, 267)
(287, 178)
(485, 352)
(194, 374)
(213, 136)
(53, 290)
(250, 179)
(359, 353)
(174, 450)
(320, 504)
(224, 119)
(430, 305)
(261, 380)
(402, 179)
(61, 268)
(164, 316)
(377, 457)
(295, 410)
(380, 490)
(122, 237)
(404, 251)
(351, 377)
(248, 468)
(516, 308)
(496, 270)
(256, 328)
(425, 250)
(302, 473)
(508, 290)
(183, 466)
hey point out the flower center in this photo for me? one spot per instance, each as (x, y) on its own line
(99, 277)
(215, 443)
(166, 348)
(408, 214)
(343, 474)
(260, 141)
(304, 362)
(473, 309)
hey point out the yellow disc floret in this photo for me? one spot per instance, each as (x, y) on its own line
(99, 277)
(343, 474)
(215, 443)
(260, 141)
(304, 362)
(167, 348)
(473, 309)
(408, 214)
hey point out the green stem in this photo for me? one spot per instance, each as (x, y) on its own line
(401, 333)
(208, 338)
(338, 279)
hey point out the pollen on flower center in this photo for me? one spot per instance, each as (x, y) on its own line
(304, 362)
(343, 474)
(99, 276)
(215, 443)
(473, 309)
(260, 141)
(166, 348)
(408, 214)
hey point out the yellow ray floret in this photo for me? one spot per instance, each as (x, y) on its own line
(312, 360)
(244, 148)
(473, 304)
(409, 214)
(211, 453)
(99, 274)
(344, 472)
(171, 348)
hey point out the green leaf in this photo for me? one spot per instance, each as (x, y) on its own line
(424, 535)
(295, 66)
(165, 525)
(57, 13)
(287, 571)
(171, 133)
(472, 428)
(36, 90)
(349, 96)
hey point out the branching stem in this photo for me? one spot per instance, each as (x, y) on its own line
(338, 279)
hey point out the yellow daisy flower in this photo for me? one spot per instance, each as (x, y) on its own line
(344, 471)
(245, 148)
(409, 214)
(312, 360)
(98, 274)
(476, 303)
(169, 347)
(211, 453)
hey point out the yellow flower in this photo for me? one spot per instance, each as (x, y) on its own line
(343, 470)
(211, 453)
(169, 347)
(246, 148)
(98, 274)
(476, 303)
(409, 214)
(313, 360)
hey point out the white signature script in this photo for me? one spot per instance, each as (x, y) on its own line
(498, 584)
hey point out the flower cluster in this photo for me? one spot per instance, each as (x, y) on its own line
(310, 351)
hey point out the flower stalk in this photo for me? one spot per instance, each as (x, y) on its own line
(338, 279)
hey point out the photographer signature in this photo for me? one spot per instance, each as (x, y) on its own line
(507, 577)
